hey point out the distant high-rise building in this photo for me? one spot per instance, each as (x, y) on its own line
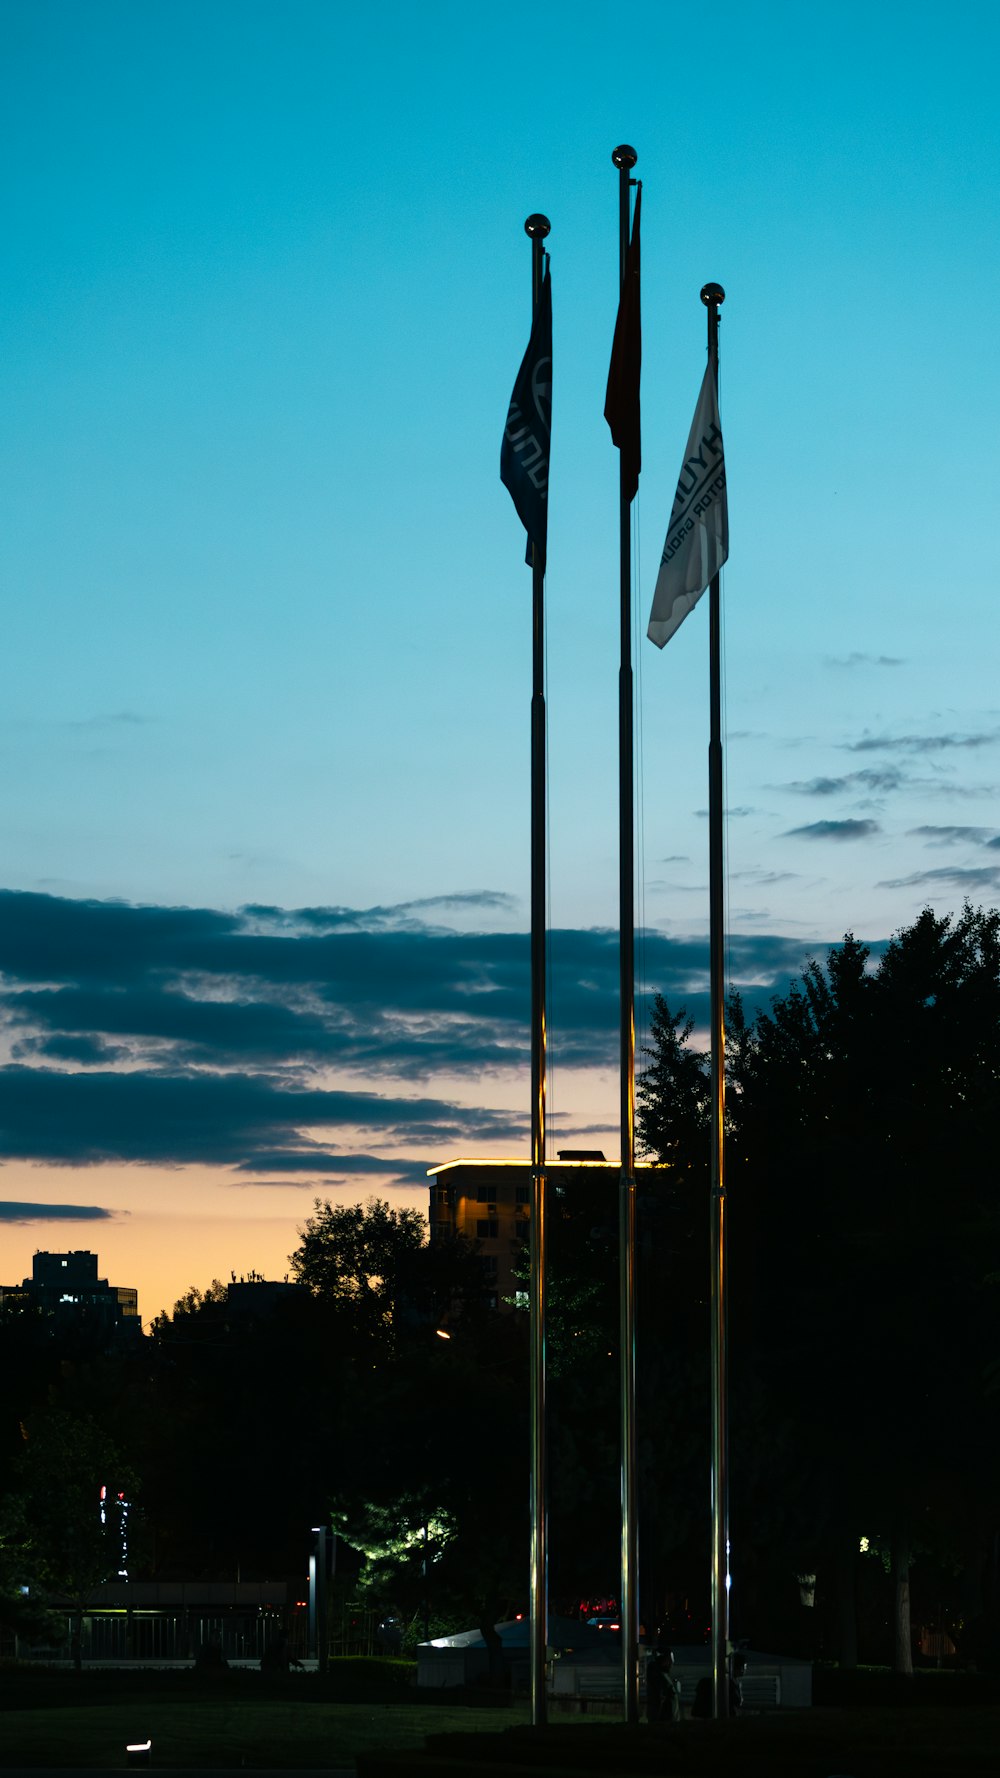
(67, 1286)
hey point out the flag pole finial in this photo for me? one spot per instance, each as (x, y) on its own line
(624, 156)
(537, 226)
(713, 295)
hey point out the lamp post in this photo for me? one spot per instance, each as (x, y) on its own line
(319, 1568)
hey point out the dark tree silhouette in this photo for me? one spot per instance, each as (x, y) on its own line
(862, 1112)
(432, 1473)
(67, 1458)
(377, 1264)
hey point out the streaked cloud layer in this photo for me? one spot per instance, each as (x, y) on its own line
(835, 830)
(11, 1211)
(178, 1036)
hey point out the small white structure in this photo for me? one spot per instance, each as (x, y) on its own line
(769, 1683)
(588, 1666)
(463, 1659)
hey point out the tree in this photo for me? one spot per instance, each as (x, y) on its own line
(432, 1479)
(198, 1314)
(240, 1435)
(673, 1097)
(862, 1109)
(73, 1529)
(64, 1391)
(23, 1612)
(377, 1263)
(316, 1372)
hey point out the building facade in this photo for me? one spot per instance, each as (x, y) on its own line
(489, 1202)
(67, 1286)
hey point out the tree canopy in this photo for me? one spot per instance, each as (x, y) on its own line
(861, 1116)
(376, 1263)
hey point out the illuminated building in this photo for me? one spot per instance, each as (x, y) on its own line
(66, 1285)
(489, 1202)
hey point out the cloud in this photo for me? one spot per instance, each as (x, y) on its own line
(946, 835)
(47, 938)
(403, 916)
(834, 830)
(112, 719)
(874, 780)
(764, 878)
(13, 1212)
(201, 1028)
(922, 743)
(184, 990)
(667, 886)
(221, 1119)
(173, 1036)
(331, 1165)
(84, 1051)
(863, 660)
(971, 881)
(316, 1186)
(315, 1161)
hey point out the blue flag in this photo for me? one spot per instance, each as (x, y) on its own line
(524, 454)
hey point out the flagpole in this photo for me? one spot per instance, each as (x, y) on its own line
(713, 296)
(624, 158)
(536, 228)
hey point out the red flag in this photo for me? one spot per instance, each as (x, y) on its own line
(621, 405)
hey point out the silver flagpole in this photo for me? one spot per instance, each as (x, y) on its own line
(537, 227)
(624, 158)
(713, 296)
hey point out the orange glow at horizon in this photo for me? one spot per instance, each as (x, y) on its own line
(171, 1229)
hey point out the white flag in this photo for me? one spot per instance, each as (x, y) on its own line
(698, 535)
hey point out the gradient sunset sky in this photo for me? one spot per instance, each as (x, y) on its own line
(264, 712)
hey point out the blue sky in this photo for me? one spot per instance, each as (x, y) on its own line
(267, 622)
